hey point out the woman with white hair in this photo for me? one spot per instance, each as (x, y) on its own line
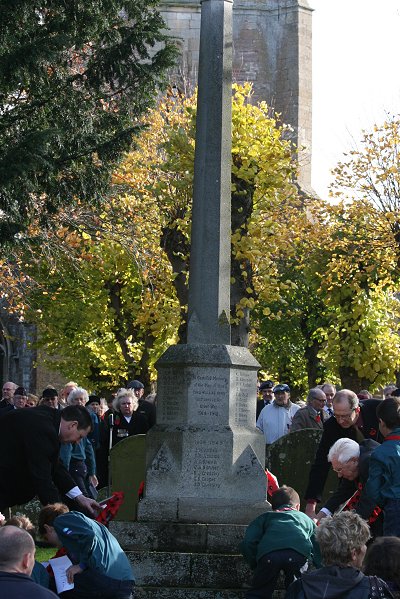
(79, 458)
(128, 420)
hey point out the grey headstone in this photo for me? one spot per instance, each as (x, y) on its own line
(291, 457)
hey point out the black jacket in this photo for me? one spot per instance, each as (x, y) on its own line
(334, 582)
(20, 586)
(332, 432)
(29, 457)
(347, 488)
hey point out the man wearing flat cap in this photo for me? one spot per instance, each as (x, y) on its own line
(50, 398)
(267, 396)
(275, 419)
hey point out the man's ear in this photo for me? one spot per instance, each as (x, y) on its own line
(26, 562)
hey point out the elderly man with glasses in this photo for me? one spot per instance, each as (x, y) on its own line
(352, 419)
(350, 461)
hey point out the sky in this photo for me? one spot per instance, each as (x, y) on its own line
(356, 76)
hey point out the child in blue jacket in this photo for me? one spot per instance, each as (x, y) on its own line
(279, 540)
(100, 568)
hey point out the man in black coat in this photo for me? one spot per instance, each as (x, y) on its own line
(29, 455)
(7, 393)
(17, 558)
(352, 419)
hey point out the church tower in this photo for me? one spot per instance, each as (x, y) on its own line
(271, 49)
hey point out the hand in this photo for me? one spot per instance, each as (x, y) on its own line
(310, 510)
(93, 480)
(71, 571)
(320, 515)
(90, 505)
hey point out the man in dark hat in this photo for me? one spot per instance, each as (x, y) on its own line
(50, 398)
(275, 419)
(267, 396)
(20, 398)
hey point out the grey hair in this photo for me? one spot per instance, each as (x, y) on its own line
(345, 395)
(339, 535)
(124, 393)
(77, 391)
(388, 388)
(14, 544)
(344, 450)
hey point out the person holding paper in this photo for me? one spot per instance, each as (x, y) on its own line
(100, 568)
(17, 558)
(29, 455)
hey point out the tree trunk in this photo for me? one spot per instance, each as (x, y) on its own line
(242, 207)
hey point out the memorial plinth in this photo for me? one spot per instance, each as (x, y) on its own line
(205, 457)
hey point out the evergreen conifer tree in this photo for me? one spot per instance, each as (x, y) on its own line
(75, 76)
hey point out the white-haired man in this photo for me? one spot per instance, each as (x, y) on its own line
(350, 460)
(7, 394)
(352, 419)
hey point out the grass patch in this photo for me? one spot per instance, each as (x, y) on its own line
(44, 554)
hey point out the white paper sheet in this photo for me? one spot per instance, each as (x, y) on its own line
(60, 566)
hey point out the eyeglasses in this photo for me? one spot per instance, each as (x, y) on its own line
(344, 416)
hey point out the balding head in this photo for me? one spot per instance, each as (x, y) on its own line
(346, 408)
(345, 396)
(17, 550)
(316, 398)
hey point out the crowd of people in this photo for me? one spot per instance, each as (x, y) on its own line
(33, 420)
(56, 446)
(360, 440)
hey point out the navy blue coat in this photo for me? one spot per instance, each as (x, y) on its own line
(21, 586)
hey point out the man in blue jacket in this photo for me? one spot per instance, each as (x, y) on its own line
(100, 568)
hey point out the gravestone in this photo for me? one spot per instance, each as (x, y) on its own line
(128, 471)
(290, 458)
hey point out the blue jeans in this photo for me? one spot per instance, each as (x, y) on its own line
(91, 584)
(391, 518)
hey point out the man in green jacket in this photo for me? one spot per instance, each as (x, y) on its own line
(280, 540)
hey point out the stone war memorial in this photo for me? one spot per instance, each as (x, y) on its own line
(205, 476)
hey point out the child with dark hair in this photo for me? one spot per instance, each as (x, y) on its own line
(383, 485)
(280, 540)
(383, 560)
(39, 572)
(100, 569)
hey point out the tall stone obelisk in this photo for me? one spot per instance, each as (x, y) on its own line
(205, 457)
